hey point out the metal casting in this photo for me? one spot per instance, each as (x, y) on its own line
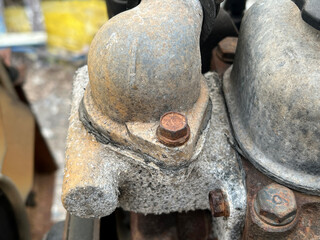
(273, 94)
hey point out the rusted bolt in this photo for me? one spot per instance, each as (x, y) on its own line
(276, 205)
(218, 204)
(173, 129)
(227, 48)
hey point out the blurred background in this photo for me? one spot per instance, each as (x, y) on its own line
(42, 43)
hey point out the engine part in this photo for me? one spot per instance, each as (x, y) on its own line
(223, 55)
(100, 177)
(114, 158)
(304, 224)
(276, 205)
(310, 12)
(272, 93)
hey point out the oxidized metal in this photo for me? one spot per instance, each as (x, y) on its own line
(304, 226)
(273, 98)
(276, 205)
(154, 66)
(226, 49)
(137, 72)
(223, 55)
(153, 61)
(173, 129)
(96, 173)
(218, 204)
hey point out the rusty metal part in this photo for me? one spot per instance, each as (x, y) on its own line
(276, 121)
(152, 68)
(96, 173)
(227, 48)
(141, 136)
(276, 205)
(173, 129)
(223, 55)
(304, 226)
(174, 226)
(223, 27)
(218, 204)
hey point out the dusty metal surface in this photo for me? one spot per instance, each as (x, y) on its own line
(272, 93)
(310, 12)
(304, 226)
(100, 177)
(151, 64)
(141, 136)
(173, 129)
(154, 66)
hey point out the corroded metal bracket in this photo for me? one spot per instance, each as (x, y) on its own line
(100, 177)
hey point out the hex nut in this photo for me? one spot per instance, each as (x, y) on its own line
(226, 49)
(173, 129)
(275, 205)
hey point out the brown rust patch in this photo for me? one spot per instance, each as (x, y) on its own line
(218, 204)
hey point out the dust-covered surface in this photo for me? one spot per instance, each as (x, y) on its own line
(273, 94)
(98, 178)
(149, 65)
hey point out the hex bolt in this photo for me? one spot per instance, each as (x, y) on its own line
(218, 204)
(275, 205)
(173, 129)
(227, 48)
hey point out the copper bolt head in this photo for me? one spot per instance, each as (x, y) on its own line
(173, 129)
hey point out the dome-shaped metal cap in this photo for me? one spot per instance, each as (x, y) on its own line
(273, 94)
(146, 61)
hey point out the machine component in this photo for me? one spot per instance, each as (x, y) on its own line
(223, 27)
(273, 98)
(218, 204)
(276, 205)
(310, 12)
(173, 129)
(100, 177)
(223, 55)
(305, 224)
(149, 134)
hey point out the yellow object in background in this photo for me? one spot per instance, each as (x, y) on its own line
(71, 25)
(16, 19)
